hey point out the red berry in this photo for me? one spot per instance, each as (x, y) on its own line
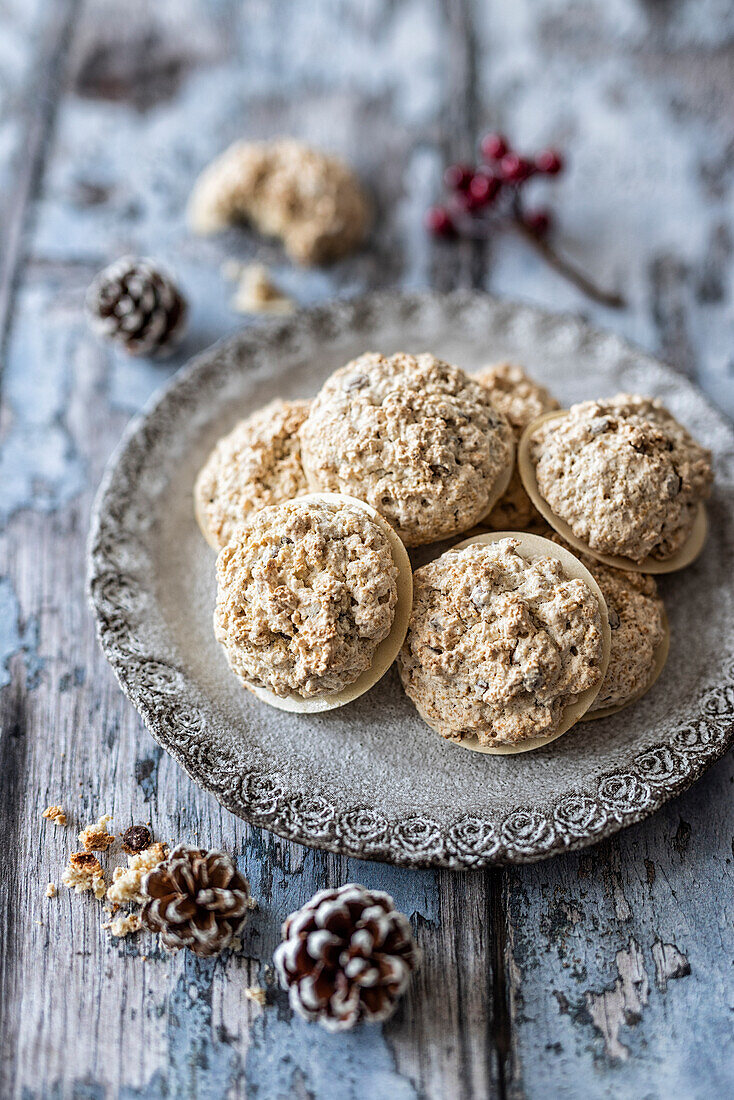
(438, 221)
(457, 177)
(461, 202)
(494, 146)
(483, 188)
(515, 169)
(549, 161)
(539, 221)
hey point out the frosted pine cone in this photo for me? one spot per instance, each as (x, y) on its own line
(196, 899)
(346, 956)
(136, 304)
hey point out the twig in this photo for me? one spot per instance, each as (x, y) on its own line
(605, 297)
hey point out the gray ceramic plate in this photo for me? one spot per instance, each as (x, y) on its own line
(370, 779)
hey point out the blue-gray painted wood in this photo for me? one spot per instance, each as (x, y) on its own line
(605, 973)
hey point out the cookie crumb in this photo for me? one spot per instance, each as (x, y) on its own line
(516, 394)
(256, 292)
(257, 994)
(136, 839)
(95, 838)
(83, 873)
(124, 925)
(127, 881)
(55, 814)
(51, 890)
(522, 400)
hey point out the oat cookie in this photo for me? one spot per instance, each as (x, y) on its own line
(305, 595)
(311, 200)
(257, 464)
(624, 475)
(514, 511)
(498, 645)
(414, 437)
(522, 400)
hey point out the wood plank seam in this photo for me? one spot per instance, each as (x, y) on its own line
(461, 123)
(44, 95)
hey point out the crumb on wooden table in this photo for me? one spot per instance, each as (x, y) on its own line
(95, 838)
(257, 994)
(255, 291)
(127, 881)
(83, 873)
(123, 925)
(51, 890)
(55, 814)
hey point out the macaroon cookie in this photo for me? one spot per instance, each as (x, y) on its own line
(522, 400)
(313, 600)
(639, 632)
(414, 437)
(255, 465)
(621, 480)
(309, 199)
(508, 643)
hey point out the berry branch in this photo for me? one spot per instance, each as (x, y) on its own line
(487, 195)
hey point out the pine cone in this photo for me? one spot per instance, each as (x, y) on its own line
(136, 304)
(346, 956)
(196, 899)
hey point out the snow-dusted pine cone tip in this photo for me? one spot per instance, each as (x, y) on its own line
(136, 304)
(346, 956)
(196, 899)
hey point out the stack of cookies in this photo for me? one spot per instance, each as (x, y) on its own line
(542, 608)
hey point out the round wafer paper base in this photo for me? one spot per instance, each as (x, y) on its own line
(386, 651)
(532, 547)
(684, 556)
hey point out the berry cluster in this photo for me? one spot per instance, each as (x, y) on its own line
(495, 185)
(489, 194)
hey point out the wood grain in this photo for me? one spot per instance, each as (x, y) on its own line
(597, 974)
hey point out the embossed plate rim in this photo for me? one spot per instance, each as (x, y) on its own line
(155, 687)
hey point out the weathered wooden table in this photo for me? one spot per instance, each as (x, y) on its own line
(605, 973)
